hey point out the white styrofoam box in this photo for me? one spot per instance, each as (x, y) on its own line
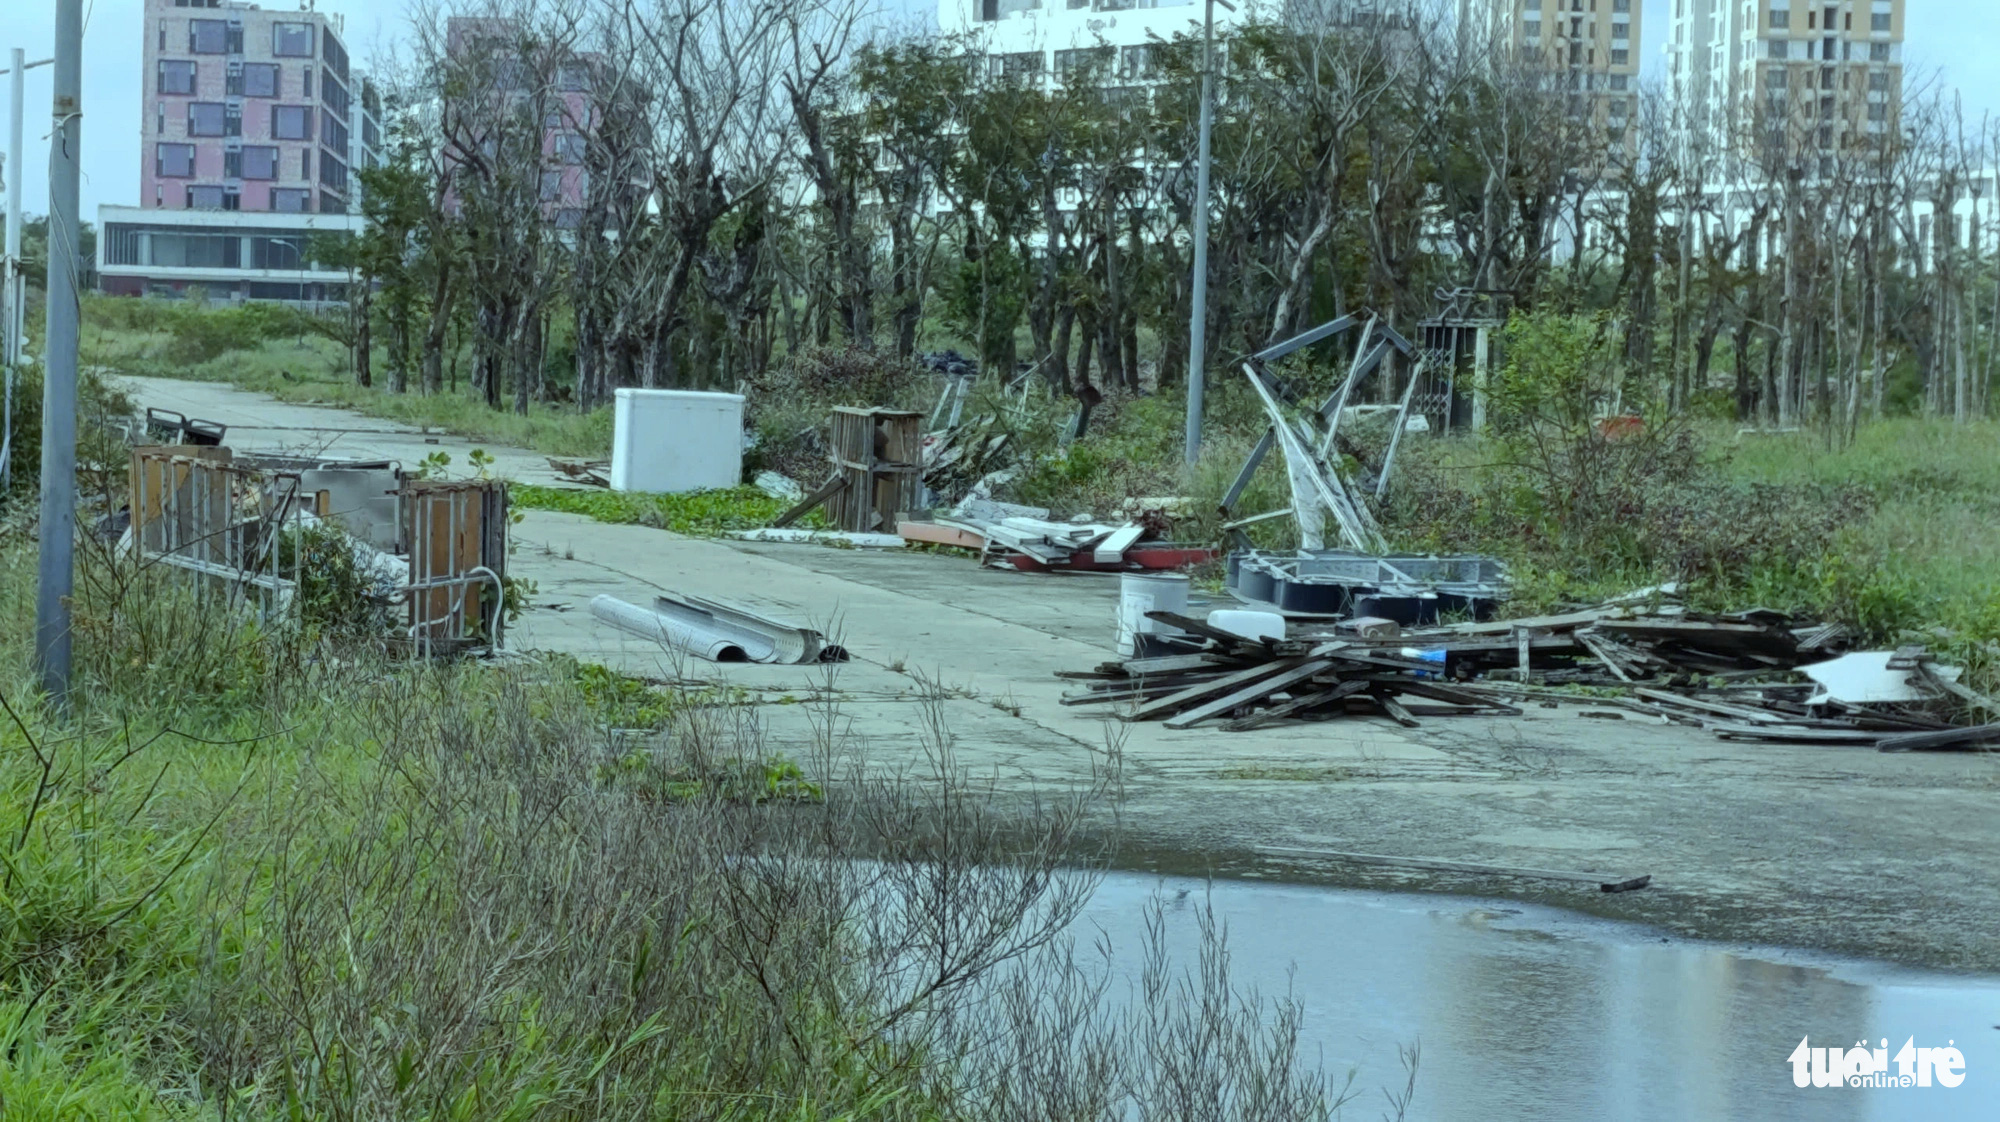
(676, 440)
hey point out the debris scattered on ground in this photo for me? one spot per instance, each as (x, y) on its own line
(597, 473)
(430, 549)
(819, 537)
(1748, 675)
(778, 486)
(717, 631)
(1409, 589)
(1025, 538)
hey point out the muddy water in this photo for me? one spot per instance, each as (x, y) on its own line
(1532, 1013)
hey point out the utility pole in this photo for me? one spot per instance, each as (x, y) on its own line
(1198, 316)
(59, 349)
(13, 283)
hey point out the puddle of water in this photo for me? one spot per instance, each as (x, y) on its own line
(1532, 1013)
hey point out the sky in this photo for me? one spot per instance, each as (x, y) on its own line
(1958, 40)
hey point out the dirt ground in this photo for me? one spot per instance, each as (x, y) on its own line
(1831, 848)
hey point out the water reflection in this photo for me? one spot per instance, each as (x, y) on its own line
(1528, 1012)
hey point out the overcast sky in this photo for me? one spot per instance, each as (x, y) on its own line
(1959, 40)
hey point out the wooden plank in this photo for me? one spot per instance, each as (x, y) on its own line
(1596, 647)
(1200, 627)
(1740, 712)
(1457, 697)
(1394, 710)
(1113, 548)
(1171, 664)
(937, 533)
(1948, 738)
(1174, 703)
(1259, 690)
(826, 491)
(1304, 703)
(1604, 881)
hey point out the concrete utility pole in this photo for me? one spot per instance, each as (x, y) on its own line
(1198, 315)
(59, 347)
(13, 283)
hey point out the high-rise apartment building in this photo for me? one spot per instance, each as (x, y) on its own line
(245, 110)
(1589, 47)
(1800, 83)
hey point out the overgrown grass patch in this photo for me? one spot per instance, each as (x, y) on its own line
(694, 513)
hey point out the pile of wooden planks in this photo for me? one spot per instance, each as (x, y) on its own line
(1749, 676)
(1247, 683)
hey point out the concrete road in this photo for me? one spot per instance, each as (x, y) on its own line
(1826, 847)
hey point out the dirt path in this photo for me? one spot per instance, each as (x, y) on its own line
(1826, 847)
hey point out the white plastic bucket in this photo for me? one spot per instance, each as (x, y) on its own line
(1250, 625)
(1139, 593)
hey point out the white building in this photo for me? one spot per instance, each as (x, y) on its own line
(226, 255)
(1799, 78)
(1051, 36)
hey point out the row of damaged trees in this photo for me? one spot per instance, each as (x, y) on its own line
(605, 193)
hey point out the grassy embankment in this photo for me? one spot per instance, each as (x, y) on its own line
(262, 872)
(269, 349)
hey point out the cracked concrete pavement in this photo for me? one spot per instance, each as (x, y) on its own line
(1826, 847)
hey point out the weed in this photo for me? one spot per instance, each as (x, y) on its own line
(694, 513)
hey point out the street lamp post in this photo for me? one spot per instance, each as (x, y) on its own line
(1198, 313)
(59, 350)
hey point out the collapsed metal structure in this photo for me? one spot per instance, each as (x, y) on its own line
(1363, 577)
(438, 545)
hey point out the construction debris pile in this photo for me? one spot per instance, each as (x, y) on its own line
(1754, 675)
(1007, 535)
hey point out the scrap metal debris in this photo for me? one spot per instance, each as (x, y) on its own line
(717, 631)
(1026, 538)
(1745, 676)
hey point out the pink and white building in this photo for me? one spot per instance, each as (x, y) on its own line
(253, 127)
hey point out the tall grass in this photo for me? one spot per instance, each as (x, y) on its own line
(254, 875)
(274, 350)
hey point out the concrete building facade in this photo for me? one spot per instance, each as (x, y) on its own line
(1590, 47)
(1799, 83)
(247, 112)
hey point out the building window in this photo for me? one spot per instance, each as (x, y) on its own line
(1878, 21)
(332, 131)
(292, 40)
(208, 37)
(257, 79)
(176, 160)
(259, 161)
(305, 163)
(1781, 48)
(290, 200)
(333, 94)
(1138, 63)
(1878, 52)
(176, 76)
(278, 252)
(569, 148)
(573, 77)
(1621, 31)
(1620, 56)
(1621, 5)
(204, 197)
(551, 186)
(1082, 58)
(306, 82)
(1781, 17)
(206, 118)
(197, 247)
(291, 122)
(1621, 81)
(1018, 64)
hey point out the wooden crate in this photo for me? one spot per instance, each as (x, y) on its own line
(453, 528)
(878, 455)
